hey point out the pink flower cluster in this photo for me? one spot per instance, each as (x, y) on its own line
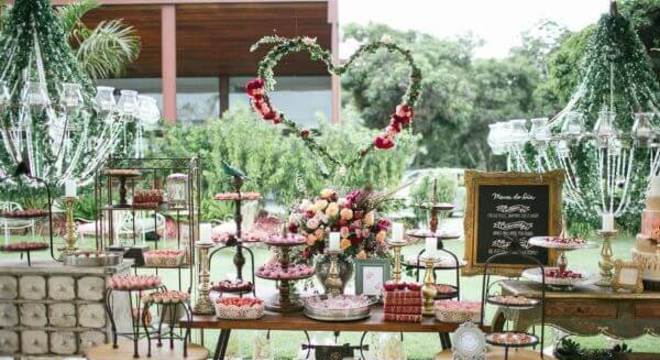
(276, 272)
(259, 101)
(401, 118)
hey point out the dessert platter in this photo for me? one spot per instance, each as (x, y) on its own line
(285, 240)
(439, 263)
(426, 233)
(24, 214)
(248, 237)
(454, 311)
(235, 308)
(134, 282)
(147, 199)
(122, 175)
(234, 196)
(277, 271)
(445, 291)
(558, 279)
(513, 301)
(122, 172)
(338, 308)
(512, 339)
(166, 297)
(561, 243)
(24, 246)
(232, 286)
(165, 258)
(93, 258)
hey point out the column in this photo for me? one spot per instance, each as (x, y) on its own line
(168, 61)
(335, 87)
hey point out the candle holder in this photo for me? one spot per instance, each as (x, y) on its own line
(396, 248)
(606, 264)
(333, 282)
(429, 290)
(70, 236)
(204, 306)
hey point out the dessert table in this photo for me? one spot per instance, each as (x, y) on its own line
(587, 310)
(299, 322)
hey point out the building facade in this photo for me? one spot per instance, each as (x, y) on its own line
(195, 56)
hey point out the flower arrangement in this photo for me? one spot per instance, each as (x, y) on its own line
(354, 216)
(258, 88)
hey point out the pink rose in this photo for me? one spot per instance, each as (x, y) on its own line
(312, 223)
(344, 231)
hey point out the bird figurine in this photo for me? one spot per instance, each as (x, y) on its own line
(233, 171)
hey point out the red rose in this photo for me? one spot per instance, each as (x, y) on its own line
(271, 115)
(342, 222)
(293, 227)
(255, 87)
(404, 110)
(357, 215)
(383, 224)
(304, 133)
(382, 142)
(394, 126)
(277, 119)
(310, 213)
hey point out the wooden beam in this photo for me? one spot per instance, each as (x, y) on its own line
(168, 61)
(335, 87)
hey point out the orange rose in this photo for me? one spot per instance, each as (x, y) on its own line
(319, 233)
(345, 244)
(380, 237)
(346, 214)
(311, 239)
(361, 255)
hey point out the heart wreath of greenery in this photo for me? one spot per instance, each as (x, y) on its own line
(257, 89)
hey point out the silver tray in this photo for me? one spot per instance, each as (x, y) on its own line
(353, 314)
(111, 259)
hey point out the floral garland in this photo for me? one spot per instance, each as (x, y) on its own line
(257, 89)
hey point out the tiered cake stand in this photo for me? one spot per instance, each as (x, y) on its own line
(236, 241)
(453, 263)
(565, 282)
(285, 301)
(512, 339)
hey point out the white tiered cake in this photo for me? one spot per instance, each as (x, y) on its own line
(647, 249)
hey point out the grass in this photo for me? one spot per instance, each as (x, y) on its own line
(287, 345)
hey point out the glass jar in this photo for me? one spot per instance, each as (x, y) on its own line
(518, 131)
(540, 130)
(128, 102)
(71, 96)
(177, 190)
(105, 98)
(36, 94)
(573, 123)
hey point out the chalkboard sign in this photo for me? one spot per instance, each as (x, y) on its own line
(505, 209)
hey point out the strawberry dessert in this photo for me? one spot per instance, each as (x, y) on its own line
(457, 311)
(24, 246)
(134, 282)
(235, 308)
(285, 240)
(166, 297)
(232, 286)
(238, 196)
(24, 214)
(275, 271)
(510, 338)
(164, 257)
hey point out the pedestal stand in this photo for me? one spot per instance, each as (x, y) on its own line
(70, 237)
(203, 306)
(396, 248)
(429, 291)
(606, 264)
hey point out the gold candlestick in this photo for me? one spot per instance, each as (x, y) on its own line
(606, 264)
(204, 306)
(428, 289)
(333, 282)
(70, 237)
(396, 248)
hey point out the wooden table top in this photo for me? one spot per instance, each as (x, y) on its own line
(298, 321)
(531, 289)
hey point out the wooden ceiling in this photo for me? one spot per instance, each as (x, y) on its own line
(214, 38)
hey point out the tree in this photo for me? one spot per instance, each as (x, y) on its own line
(645, 18)
(101, 52)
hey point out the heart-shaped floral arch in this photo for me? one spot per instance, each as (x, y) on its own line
(257, 89)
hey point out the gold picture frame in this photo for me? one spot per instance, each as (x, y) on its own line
(474, 179)
(628, 276)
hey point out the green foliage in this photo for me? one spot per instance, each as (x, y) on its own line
(568, 349)
(645, 18)
(422, 191)
(280, 165)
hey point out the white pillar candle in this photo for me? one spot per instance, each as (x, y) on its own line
(205, 231)
(431, 246)
(397, 232)
(70, 188)
(608, 222)
(333, 241)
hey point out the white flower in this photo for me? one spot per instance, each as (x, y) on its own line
(308, 40)
(386, 38)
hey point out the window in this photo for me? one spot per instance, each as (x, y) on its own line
(197, 99)
(302, 98)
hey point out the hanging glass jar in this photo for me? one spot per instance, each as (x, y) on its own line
(177, 190)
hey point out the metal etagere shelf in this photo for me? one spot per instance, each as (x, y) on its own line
(113, 193)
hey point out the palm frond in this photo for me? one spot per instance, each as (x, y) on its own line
(106, 50)
(5, 9)
(70, 15)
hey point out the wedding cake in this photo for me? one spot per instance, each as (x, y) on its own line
(646, 250)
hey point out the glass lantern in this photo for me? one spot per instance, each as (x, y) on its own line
(604, 127)
(128, 102)
(518, 131)
(540, 130)
(71, 96)
(105, 98)
(573, 124)
(36, 94)
(642, 129)
(177, 190)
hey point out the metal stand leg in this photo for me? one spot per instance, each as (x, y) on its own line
(445, 341)
(221, 347)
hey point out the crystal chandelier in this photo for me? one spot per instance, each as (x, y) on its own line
(55, 125)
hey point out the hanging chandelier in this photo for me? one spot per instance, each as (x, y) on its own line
(55, 125)
(606, 138)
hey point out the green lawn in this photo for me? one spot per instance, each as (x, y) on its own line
(287, 345)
